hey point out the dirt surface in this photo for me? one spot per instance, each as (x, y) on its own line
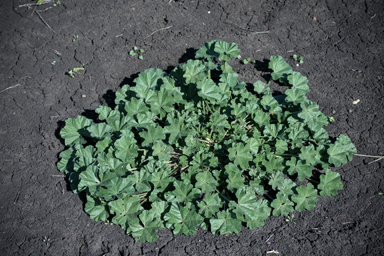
(343, 47)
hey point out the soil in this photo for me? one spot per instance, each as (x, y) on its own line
(343, 47)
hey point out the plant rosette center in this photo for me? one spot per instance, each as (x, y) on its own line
(197, 148)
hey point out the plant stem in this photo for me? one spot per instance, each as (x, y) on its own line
(226, 198)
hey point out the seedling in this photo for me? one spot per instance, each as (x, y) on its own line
(58, 3)
(73, 71)
(247, 60)
(135, 50)
(299, 59)
(46, 240)
(53, 62)
(331, 119)
(290, 218)
(75, 37)
(183, 150)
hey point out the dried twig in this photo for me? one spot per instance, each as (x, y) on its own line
(44, 21)
(261, 32)
(157, 31)
(9, 88)
(378, 157)
(17, 197)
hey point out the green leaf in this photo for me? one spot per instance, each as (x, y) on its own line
(183, 219)
(330, 183)
(286, 188)
(209, 90)
(100, 131)
(282, 205)
(125, 210)
(305, 197)
(270, 104)
(210, 205)
(147, 231)
(276, 180)
(229, 79)
(235, 180)
(241, 155)
(273, 163)
(225, 223)
(206, 182)
(141, 180)
(281, 146)
(135, 106)
(280, 68)
(103, 112)
(246, 204)
(148, 79)
(184, 192)
(126, 149)
(96, 209)
(74, 129)
(308, 153)
(219, 122)
(161, 179)
(260, 214)
(295, 95)
(207, 51)
(299, 82)
(116, 187)
(260, 87)
(162, 150)
(309, 112)
(89, 179)
(153, 134)
(194, 71)
(226, 51)
(300, 167)
(161, 102)
(177, 128)
(342, 151)
(66, 162)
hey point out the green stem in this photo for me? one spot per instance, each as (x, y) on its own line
(268, 197)
(223, 196)
(313, 181)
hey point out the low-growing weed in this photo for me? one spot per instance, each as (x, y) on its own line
(196, 147)
(73, 71)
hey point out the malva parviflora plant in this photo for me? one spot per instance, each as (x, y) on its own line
(197, 148)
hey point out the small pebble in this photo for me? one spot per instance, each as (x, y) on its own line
(83, 95)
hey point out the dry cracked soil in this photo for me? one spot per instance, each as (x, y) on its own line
(343, 47)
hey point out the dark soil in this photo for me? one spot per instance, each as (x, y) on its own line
(343, 47)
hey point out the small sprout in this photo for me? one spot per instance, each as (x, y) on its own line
(136, 50)
(75, 37)
(72, 72)
(290, 219)
(57, 3)
(247, 60)
(46, 240)
(380, 193)
(53, 62)
(331, 119)
(299, 59)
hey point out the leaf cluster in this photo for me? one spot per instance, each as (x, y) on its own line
(196, 147)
